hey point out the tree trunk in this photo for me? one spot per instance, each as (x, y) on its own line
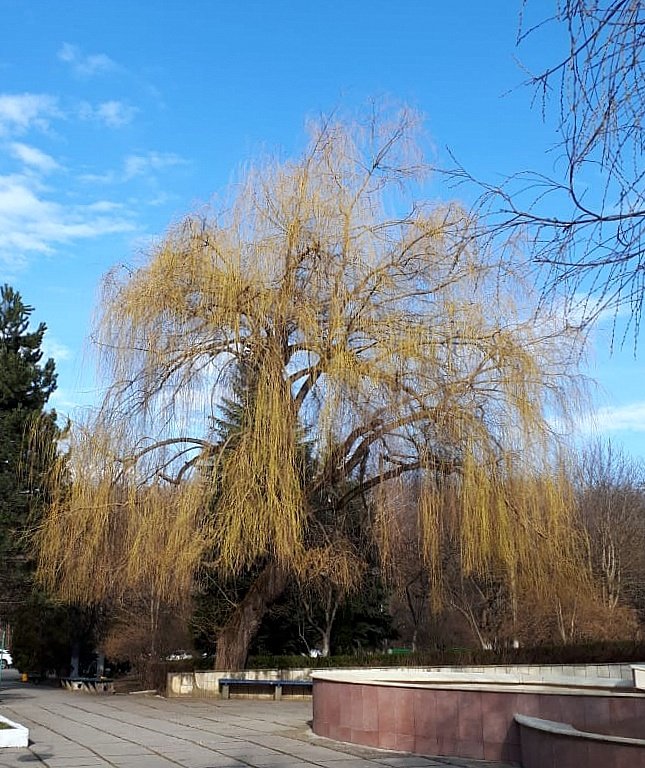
(326, 642)
(235, 638)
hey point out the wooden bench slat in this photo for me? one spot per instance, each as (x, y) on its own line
(225, 684)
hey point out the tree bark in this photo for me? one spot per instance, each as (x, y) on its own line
(237, 634)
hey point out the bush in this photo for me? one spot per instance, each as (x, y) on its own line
(589, 653)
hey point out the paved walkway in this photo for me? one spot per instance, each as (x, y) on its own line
(74, 730)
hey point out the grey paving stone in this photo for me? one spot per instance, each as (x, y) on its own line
(410, 761)
(74, 731)
(73, 762)
(349, 762)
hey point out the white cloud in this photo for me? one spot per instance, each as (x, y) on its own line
(19, 112)
(621, 418)
(140, 165)
(136, 166)
(104, 206)
(33, 157)
(581, 307)
(65, 403)
(29, 223)
(53, 348)
(85, 65)
(114, 114)
(109, 177)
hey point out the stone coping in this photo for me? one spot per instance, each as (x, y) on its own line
(566, 729)
(638, 676)
(15, 736)
(204, 683)
(481, 681)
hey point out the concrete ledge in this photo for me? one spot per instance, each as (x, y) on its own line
(14, 736)
(205, 684)
(566, 729)
(410, 677)
(638, 676)
(551, 744)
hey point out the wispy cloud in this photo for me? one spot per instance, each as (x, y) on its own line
(53, 348)
(33, 157)
(140, 165)
(622, 418)
(70, 404)
(85, 65)
(30, 223)
(19, 112)
(581, 307)
(114, 114)
(137, 166)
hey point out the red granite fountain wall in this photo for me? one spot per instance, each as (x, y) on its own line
(474, 717)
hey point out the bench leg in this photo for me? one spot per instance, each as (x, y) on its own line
(226, 692)
(277, 695)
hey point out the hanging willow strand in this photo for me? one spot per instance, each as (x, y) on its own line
(391, 343)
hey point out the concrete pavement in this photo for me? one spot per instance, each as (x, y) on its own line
(77, 730)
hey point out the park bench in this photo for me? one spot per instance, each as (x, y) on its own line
(275, 686)
(88, 684)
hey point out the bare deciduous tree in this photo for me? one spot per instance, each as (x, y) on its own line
(587, 222)
(328, 575)
(612, 510)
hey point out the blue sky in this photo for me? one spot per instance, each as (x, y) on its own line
(116, 118)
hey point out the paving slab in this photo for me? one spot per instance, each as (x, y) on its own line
(70, 729)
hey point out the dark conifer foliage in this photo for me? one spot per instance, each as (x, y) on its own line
(27, 439)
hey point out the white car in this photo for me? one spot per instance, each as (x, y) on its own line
(5, 658)
(179, 656)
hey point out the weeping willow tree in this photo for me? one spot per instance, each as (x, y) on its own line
(379, 333)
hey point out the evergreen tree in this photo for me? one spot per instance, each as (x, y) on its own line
(27, 439)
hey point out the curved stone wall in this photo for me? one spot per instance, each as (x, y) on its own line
(546, 744)
(461, 715)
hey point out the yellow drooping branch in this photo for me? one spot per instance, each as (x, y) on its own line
(377, 332)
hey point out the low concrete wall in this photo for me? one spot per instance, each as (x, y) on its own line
(206, 684)
(621, 671)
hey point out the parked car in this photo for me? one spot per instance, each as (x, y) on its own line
(179, 656)
(6, 659)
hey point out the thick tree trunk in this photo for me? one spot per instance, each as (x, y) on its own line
(235, 638)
